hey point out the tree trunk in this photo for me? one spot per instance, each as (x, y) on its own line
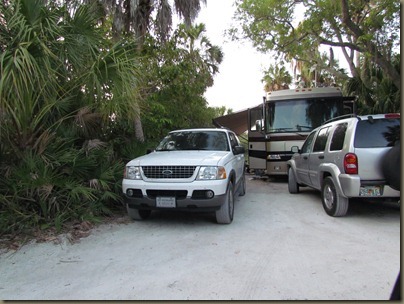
(138, 126)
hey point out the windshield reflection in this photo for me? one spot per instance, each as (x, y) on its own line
(201, 140)
(301, 115)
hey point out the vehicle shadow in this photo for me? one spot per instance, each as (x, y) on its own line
(378, 208)
(176, 217)
(362, 207)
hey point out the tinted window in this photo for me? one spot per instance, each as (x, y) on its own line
(321, 140)
(194, 140)
(337, 141)
(306, 148)
(374, 133)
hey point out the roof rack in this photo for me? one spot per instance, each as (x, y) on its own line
(341, 117)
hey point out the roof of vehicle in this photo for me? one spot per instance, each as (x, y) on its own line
(201, 130)
(379, 116)
(363, 117)
(307, 92)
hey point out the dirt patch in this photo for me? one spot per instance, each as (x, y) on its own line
(72, 231)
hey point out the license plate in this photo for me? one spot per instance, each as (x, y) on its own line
(165, 202)
(370, 191)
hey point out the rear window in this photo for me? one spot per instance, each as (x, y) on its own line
(375, 133)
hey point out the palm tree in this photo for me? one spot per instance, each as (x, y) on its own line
(207, 56)
(53, 62)
(135, 17)
(276, 78)
(376, 92)
(61, 82)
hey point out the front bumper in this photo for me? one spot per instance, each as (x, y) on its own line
(189, 196)
(186, 204)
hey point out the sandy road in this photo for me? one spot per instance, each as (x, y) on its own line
(279, 247)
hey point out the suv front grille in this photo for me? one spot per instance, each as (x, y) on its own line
(168, 171)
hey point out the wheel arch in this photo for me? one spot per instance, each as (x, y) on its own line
(332, 170)
(292, 165)
(232, 177)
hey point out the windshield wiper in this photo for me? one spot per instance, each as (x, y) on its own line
(281, 129)
(299, 128)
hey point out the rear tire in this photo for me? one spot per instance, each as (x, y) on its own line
(293, 186)
(225, 214)
(333, 203)
(138, 214)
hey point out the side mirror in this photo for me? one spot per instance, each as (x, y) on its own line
(295, 149)
(258, 125)
(238, 150)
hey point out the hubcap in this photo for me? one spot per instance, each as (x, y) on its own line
(328, 197)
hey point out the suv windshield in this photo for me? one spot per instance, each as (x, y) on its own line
(374, 133)
(200, 140)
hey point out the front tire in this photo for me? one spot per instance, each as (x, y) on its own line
(292, 184)
(225, 214)
(138, 215)
(242, 186)
(333, 203)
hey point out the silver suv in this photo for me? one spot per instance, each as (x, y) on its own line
(344, 159)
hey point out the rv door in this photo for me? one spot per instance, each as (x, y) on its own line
(257, 153)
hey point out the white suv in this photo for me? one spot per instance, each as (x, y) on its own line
(347, 158)
(192, 170)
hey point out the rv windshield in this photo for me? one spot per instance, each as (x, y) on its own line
(301, 115)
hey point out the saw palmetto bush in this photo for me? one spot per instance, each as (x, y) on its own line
(62, 84)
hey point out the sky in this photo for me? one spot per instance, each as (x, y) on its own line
(238, 84)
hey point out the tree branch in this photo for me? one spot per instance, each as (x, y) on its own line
(376, 56)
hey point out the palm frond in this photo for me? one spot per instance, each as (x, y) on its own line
(164, 19)
(188, 9)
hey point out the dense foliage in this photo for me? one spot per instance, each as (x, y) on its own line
(186, 63)
(308, 33)
(69, 93)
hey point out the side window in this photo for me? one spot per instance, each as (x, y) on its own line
(337, 141)
(306, 148)
(321, 140)
(255, 115)
(233, 140)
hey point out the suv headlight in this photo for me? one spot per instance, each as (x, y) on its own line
(209, 173)
(132, 172)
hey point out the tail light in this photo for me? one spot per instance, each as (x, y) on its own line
(351, 163)
(392, 115)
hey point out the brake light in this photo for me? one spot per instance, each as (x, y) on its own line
(351, 163)
(392, 115)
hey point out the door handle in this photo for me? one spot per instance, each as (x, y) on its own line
(321, 156)
(305, 157)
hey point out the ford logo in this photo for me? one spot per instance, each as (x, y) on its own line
(167, 172)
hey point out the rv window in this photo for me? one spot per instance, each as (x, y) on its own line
(256, 120)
